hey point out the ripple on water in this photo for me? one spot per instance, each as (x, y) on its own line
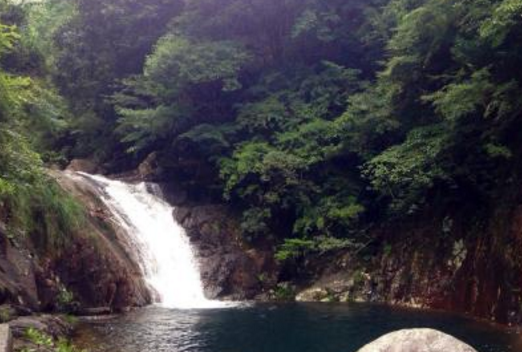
(279, 328)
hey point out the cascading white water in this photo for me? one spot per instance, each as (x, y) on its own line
(167, 259)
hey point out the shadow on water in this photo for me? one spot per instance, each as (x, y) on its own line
(279, 328)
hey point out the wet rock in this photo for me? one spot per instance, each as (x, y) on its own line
(417, 340)
(229, 269)
(99, 273)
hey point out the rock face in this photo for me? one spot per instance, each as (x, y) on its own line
(97, 269)
(417, 340)
(18, 271)
(451, 261)
(229, 269)
(100, 266)
(84, 165)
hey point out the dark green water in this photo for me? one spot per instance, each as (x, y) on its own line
(280, 328)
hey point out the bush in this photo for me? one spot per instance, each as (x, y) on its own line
(41, 339)
(284, 292)
(296, 248)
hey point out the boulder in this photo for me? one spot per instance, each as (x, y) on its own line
(314, 294)
(52, 325)
(6, 343)
(417, 340)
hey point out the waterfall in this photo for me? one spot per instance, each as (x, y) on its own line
(167, 259)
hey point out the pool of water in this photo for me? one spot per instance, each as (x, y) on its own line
(279, 328)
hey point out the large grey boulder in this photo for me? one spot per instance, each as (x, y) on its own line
(417, 340)
(6, 342)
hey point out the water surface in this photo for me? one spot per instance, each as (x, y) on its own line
(280, 328)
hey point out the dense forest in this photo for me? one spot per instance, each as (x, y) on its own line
(313, 119)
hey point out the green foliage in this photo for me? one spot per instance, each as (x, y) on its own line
(5, 314)
(172, 73)
(65, 300)
(39, 338)
(30, 116)
(44, 21)
(294, 248)
(459, 100)
(88, 46)
(43, 340)
(387, 249)
(308, 133)
(8, 37)
(176, 62)
(505, 18)
(498, 151)
(478, 94)
(43, 211)
(284, 292)
(329, 217)
(297, 248)
(256, 221)
(313, 119)
(404, 171)
(66, 346)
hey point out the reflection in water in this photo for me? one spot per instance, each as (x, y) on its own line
(279, 328)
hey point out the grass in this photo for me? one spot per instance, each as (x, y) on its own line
(44, 212)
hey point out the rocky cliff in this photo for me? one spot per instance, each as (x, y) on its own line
(454, 260)
(97, 268)
(230, 269)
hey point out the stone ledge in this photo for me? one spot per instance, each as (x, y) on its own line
(6, 341)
